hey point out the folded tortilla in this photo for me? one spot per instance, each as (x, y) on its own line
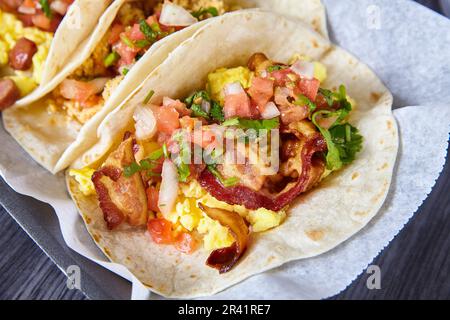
(55, 141)
(318, 221)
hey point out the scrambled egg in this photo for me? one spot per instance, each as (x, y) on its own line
(83, 177)
(223, 76)
(94, 66)
(194, 5)
(130, 13)
(215, 236)
(12, 30)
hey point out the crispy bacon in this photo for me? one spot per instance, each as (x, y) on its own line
(225, 258)
(121, 198)
(308, 170)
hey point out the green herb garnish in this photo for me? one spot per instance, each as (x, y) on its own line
(147, 164)
(275, 68)
(111, 59)
(267, 124)
(142, 43)
(202, 12)
(216, 112)
(46, 8)
(148, 31)
(303, 100)
(230, 182)
(347, 140)
(149, 96)
(125, 71)
(126, 40)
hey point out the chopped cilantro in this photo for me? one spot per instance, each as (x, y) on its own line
(150, 34)
(230, 182)
(216, 112)
(202, 12)
(304, 101)
(347, 140)
(149, 96)
(275, 68)
(46, 8)
(145, 165)
(127, 41)
(142, 43)
(125, 71)
(111, 59)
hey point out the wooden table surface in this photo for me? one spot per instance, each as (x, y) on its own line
(416, 264)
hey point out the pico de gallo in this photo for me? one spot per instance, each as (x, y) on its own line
(27, 28)
(217, 205)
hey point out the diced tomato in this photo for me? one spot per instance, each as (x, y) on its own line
(178, 105)
(152, 20)
(126, 53)
(308, 87)
(238, 105)
(77, 90)
(167, 119)
(152, 199)
(261, 91)
(29, 3)
(185, 243)
(206, 139)
(92, 101)
(135, 33)
(281, 76)
(114, 33)
(160, 230)
(41, 21)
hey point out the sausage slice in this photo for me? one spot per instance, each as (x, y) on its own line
(9, 93)
(20, 57)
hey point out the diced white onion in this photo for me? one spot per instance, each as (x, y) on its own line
(304, 69)
(59, 6)
(206, 106)
(169, 187)
(270, 111)
(264, 74)
(99, 84)
(173, 15)
(145, 123)
(168, 102)
(26, 10)
(233, 88)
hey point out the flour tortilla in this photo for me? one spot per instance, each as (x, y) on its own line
(320, 220)
(55, 142)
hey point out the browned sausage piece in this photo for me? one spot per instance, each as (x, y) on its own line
(20, 57)
(9, 93)
(10, 5)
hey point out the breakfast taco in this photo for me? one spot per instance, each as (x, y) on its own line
(33, 41)
(232, 159)
(57, 122)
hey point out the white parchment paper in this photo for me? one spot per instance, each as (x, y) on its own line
(414, 78)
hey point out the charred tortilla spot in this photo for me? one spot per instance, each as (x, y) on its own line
(315, 235)
(355, 175)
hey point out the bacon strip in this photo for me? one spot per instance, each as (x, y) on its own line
(310, 174)
(225, 258)
(121, 198)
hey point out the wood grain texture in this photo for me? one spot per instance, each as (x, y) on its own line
(25, 271)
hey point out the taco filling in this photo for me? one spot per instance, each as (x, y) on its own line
(154, 179)
(135, 29)
(27, 33)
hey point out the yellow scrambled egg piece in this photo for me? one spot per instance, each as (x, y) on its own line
(223, 76)
(216, 236)
(194, 5)
(320, 70)
(94, 66)
(83, 177)
(12, 29)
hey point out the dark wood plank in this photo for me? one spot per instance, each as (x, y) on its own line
(25, 271)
